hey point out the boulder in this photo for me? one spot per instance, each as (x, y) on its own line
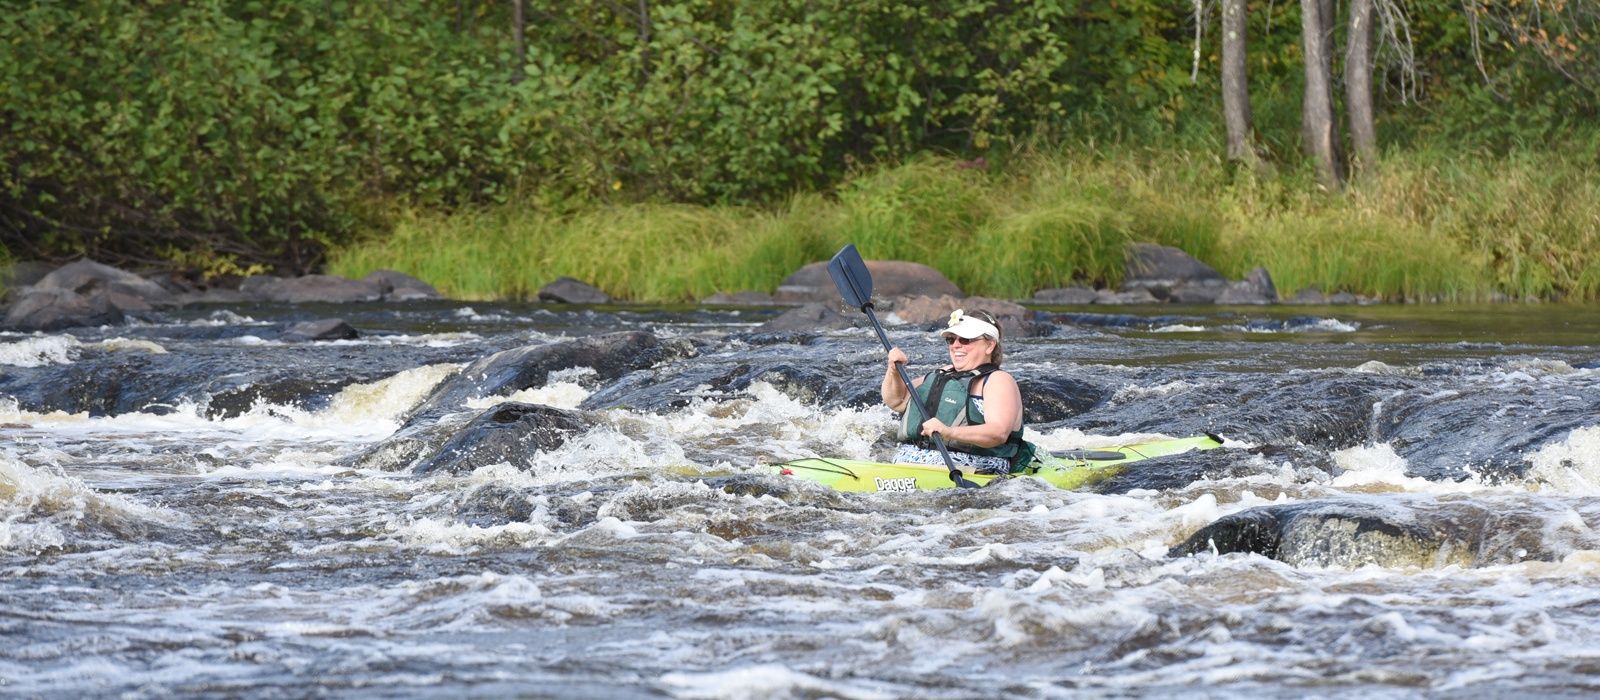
(811, 317)
(309, 289)
(1159, 269)
(502, 373)
(1255, 288)
(398, 286)
(1065, 296)
(1202, 292)
(1014, 319)
(509, 433)
(566, 290)
(1309, 295)
(1132, 296)
(1352, 533)
(1047, 400)
(45, 309)
(325, 329)
(890, 278)
(124, 290)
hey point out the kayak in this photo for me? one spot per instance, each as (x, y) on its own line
(1067, 469)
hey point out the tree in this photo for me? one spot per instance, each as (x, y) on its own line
(1236, 84)
(1358, 84)
(1321, 138)
(519, 46)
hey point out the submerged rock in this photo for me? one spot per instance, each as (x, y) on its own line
(508, 433)
(1352, 533)
(325, 329)
(610, 356)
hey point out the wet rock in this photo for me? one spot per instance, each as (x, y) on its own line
(509, 433)
(125, 290)
(1179, 471)
(1159, 269)
(1256, 288)
(398, 286)
(1067, 296)
(325, 329)
(309, 289)
(812, 317)
(1050, 399)
(1134, 296)
(1015, 320)
(740, 299)
(890, 278)
(610, 356)
(1494, 428)
(566, 290)
(1203, 292)
(46, 309)
(1344, 298)
(1390, 532)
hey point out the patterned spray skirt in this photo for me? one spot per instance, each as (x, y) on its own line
(911, 454)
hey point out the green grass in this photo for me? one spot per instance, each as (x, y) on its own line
(1419, 226)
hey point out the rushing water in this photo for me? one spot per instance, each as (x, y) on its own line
(180, 513)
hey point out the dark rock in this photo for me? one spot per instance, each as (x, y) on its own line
(811, 317)
(1344, 298)
(1134, 296)
(890, 278)
(325, 329)
(1015, 320)
(310, 289)
(566, 290)
(1067, 296)
(124, 290)
(509, 432)
(1391, 533)
(25, 273)
(1050, 399)
(1256, 288)
(215, 295)
(1203, 292)
(1159, 269)
(740, 299)
(398, 286)
(610, 356)
(46, 309)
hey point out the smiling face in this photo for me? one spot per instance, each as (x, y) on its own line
(968, 354)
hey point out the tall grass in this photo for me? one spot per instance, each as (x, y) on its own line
(1418, 226)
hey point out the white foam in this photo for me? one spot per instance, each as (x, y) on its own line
(766, 681)
(1570, 466)
(40, 350)
(40, 508)
(1180, 328)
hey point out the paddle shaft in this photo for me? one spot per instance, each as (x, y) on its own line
(911, 398)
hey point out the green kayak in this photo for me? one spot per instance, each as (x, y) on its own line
(1067, 469)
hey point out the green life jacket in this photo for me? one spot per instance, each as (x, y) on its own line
(947, 395)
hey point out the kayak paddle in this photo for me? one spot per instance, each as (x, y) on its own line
(854, 280)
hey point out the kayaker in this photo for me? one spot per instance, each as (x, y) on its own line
(976, 407)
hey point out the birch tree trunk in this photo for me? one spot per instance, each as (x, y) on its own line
(1236, 84)
(519, 44)
(1317, 125)
(1358, 85)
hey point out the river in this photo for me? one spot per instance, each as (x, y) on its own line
(182, 512)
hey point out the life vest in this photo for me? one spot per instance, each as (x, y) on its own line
(947, 395)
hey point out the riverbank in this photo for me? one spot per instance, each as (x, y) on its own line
(1421, 227)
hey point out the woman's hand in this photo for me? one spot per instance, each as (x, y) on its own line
(934, 425)
(897, 357)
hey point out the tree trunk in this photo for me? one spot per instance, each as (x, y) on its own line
(519, 47)
(1236, 84)
(1358, 85)
(1317, 125)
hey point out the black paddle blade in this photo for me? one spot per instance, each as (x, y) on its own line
(851, 277)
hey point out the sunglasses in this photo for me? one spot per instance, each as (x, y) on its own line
(955, 339)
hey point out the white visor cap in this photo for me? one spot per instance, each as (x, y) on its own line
(969, 327)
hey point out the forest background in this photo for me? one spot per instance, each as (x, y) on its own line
(669, 149)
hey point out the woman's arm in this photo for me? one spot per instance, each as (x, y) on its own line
(893, 390)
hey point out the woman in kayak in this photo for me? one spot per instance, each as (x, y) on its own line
(974, 405)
